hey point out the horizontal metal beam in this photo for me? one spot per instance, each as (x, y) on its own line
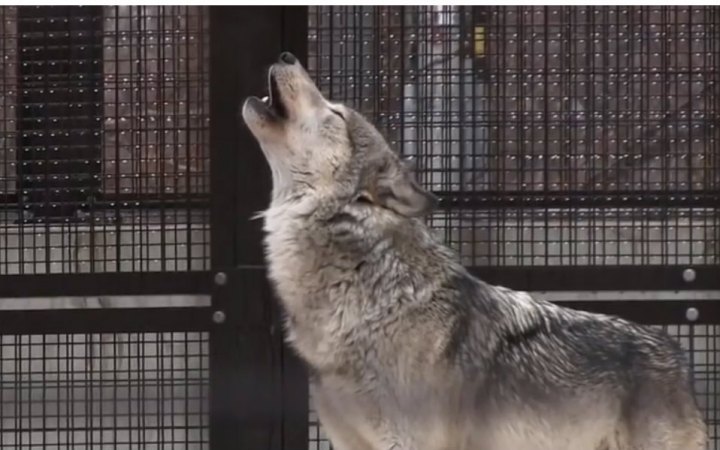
(578, 199)
(458, 199)
(115, 320)
(653, 312)
(105, 284)
(538, 278)
(143, 320)
(647, 311)
(600, 278)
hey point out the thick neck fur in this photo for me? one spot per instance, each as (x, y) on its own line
(320, 254)
(350, 281)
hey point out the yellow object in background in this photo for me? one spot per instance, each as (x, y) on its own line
(479, 41)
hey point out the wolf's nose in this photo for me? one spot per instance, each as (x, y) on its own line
(288, 58)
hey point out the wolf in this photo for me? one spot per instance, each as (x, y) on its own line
(406, 350)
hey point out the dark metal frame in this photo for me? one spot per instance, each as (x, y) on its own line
(259, 391)
(258, 387)
(601, 278)
(80, 285)
(97, 201)
(562, 199)
(92, 43)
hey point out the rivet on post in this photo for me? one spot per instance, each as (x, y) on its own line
(689, 275)
(221, 278)
(692, 314)
(218, 317)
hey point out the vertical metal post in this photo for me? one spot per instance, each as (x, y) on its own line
(245, 382)
(295, 395)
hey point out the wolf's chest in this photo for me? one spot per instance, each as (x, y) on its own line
(372, 412)
(311, 296)
(291, 260)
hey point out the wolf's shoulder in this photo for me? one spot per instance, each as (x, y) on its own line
(512, 321)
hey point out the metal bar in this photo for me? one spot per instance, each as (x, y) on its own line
(253, 182)
(599, 278)
(245, 364)
(105, 284)
(116, 320)
(224, 139)
(295, 396)
(112, 197)
(573, 199)
(663, 312)
(244, 354)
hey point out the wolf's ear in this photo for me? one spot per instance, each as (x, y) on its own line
(397, 190)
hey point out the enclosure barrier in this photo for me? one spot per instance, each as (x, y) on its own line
(574, 149)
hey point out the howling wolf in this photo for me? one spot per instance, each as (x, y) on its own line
(406, 350)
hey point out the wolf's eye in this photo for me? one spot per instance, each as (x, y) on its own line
(364, 198)
(338, 113)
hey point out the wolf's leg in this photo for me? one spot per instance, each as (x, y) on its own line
(690, 438)
(341, 432)
(670, 433)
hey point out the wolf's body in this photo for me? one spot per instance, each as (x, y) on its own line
(407, 351)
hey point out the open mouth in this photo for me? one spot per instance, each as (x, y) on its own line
(273, 101)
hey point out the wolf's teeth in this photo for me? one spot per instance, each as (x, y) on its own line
(266, 99)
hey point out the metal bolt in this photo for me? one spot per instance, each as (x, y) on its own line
(218, 317)
(689, 275)
(220, 278)
(692, 314)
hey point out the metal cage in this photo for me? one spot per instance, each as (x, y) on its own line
(574, 149)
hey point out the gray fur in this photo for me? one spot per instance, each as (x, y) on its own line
(406, 349)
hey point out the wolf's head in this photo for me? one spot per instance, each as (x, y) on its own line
(327, 150)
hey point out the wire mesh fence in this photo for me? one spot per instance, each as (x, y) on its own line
(555, 136)
(518, 236)
(104, 160)
(104, 391)
(581, 135)
(104, 167)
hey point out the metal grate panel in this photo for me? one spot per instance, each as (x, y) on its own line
(104, 158)
(554, 135)
(104, 391)
(58, 115)
(580, 236)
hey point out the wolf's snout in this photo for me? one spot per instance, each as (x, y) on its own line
(288, 58)
(291, 95)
